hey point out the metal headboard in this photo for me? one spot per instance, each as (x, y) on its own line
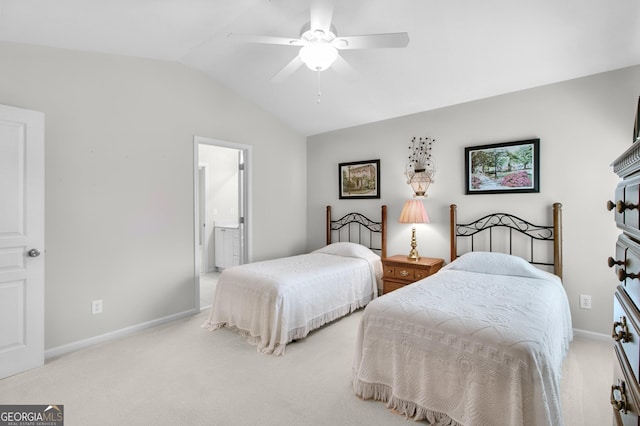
(551, 233)
(357, 228)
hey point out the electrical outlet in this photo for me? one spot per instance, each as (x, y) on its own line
(585, 301)
(96, 306)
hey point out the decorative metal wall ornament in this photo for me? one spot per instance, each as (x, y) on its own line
(420, 168)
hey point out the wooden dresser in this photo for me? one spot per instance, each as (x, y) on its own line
(625, 391)
(400, 271)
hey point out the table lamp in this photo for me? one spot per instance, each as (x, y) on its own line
(413, 212)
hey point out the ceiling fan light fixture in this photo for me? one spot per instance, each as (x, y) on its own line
(318, 56)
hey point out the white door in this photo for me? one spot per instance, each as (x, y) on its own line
(21, 240)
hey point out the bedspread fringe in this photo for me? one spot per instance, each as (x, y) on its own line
(383, 393)
(296, 333)
(208, 325)
(314, 323)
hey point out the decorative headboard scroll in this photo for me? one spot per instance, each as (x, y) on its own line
(551, 233)
(357, 228)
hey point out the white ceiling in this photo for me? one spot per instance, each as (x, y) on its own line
(459, 50)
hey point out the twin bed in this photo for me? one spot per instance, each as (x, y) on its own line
(479, 343)
(278, 301)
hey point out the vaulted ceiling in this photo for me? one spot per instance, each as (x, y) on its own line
(459, 50)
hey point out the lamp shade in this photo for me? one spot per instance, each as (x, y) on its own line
(413, 211)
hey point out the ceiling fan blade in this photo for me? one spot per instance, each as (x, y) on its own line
(372, 41)
(245, 38)
(289, 69)
(321, 15)
(346, 71)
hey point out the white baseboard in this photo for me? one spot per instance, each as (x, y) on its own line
(70, 347)
(592, 335)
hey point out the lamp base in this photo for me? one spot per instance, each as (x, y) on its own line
(413, 254)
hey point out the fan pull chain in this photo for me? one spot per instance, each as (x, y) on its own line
(319, 91)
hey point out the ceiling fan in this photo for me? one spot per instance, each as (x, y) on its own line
(319, 42)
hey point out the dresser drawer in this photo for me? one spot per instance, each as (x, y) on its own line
(625, 330)
(627, 200)
(624, 392)
(628, 273)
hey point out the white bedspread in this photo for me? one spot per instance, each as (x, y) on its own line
(277, 301)
(468, 347)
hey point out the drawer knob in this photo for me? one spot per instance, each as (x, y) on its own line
(611, 262)
(404, 272)
(621, 335)
(610, 205)
(623, 275)
(621, 403)
(621, 206)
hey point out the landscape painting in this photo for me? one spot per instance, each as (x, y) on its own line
(511, 167)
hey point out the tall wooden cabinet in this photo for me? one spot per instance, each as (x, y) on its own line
(625, 390)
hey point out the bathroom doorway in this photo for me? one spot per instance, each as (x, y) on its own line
(220, 211)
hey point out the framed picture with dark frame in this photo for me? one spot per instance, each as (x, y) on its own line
(503, 168)
(360, 179)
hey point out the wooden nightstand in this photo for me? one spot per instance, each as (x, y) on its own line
(400, 271)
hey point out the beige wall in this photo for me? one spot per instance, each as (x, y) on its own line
(119, 177)
(583, 125)
(119, 181)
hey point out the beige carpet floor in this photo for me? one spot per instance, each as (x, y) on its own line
(208, 283)
(181, 374)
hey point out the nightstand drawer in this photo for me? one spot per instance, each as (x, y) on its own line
(400, 271)
(405, 273)
(409, 273)
(392, 285)
(389, 271)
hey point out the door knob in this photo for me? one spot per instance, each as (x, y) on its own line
(33, 252)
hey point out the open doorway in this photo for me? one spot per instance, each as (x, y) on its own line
(220, 211)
